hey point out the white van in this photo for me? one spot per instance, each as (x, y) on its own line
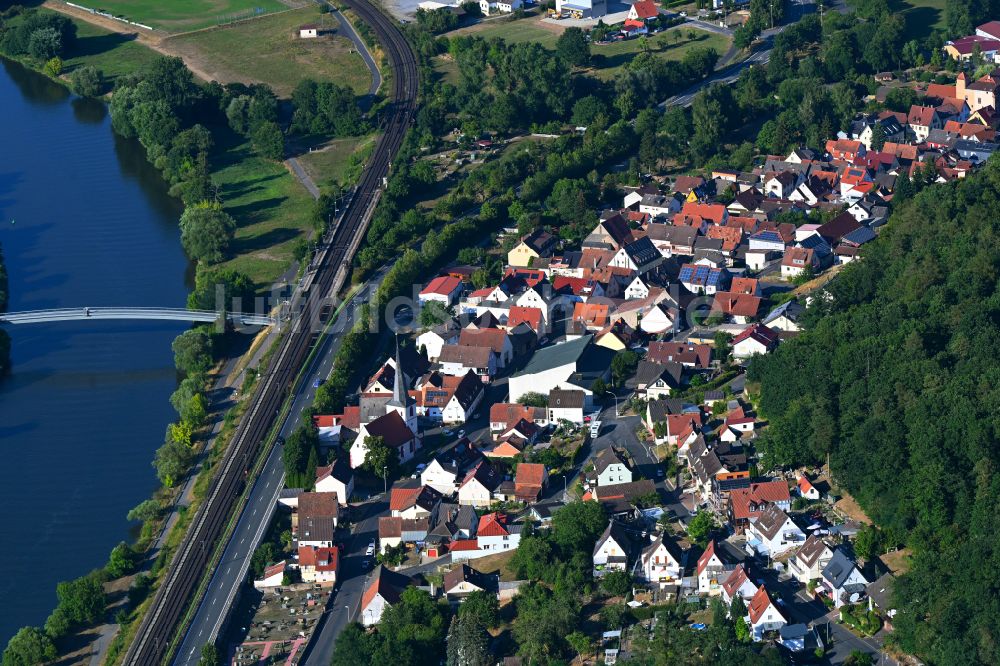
(595, 429)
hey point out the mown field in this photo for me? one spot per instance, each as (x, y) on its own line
(672, 44)
(270, 206)
(922, 17)
(340, 162)
(268, 50)
(523, 30)
(182, 15)
(608, 59)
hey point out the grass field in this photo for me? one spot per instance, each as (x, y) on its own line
(608, 59)
(113, 53)
(271, 209)
(182, 15)
(268, 50)
(523, 30)
(340, 162)
(922, 16)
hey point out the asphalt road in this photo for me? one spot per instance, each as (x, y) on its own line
(800, 607)
(344, 607)
(254, 520)
(797, 9)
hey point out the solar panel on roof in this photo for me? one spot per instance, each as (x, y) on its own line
(686, 272)
(713, 278)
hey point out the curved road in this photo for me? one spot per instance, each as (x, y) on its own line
(157, 631)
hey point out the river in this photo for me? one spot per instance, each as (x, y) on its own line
(84, 221)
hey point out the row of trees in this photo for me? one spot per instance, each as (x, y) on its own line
(40, 35)
(893, 381)
(326, 108)
(192, 358)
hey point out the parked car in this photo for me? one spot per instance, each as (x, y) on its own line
(318, 382)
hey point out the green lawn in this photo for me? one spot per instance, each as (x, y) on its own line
(340, 162)
(182, 15)
(922, 16)
(271, 208)
(111, 52)
(610, 58)
(523, 30)
(268, 50)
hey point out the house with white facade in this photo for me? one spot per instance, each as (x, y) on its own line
(318, 565)
(479, 486)
(661, 561)
(810, 560)
(842, 580)
(434, 339)
(384, 590)
(763, 615)
(612, 550)
(336, 478)
(738, 583)
(610, 467)
(447, 469)
(568, 365)
(443, 290)
(773, 533)
(714, 566)
(756, 339)
(566, 405)
(496, 533)
(490, 7)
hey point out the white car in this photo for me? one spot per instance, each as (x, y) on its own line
(461, 433)
(370, 550)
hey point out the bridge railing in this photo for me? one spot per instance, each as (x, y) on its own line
(149, 314)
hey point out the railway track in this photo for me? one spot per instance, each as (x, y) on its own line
(153, 640)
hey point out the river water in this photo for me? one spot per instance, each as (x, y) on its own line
(84, 221)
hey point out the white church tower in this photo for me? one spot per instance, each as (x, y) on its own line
(401, 402)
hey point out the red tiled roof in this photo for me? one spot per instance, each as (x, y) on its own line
(741, 499)
(493, 338)
(713, 212)
(322, 559)
(524, 315)
(920, 115)
(744, 285)
(735, 580)
(760, 603)
(706, 556)
(443, 286)
(530, 474)
(464, 544)
(493, 524)
(592, 314)
(645, 9)
(400, 498)
(740, 305)
(758, 332)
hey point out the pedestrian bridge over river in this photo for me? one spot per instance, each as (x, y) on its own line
(149, 314)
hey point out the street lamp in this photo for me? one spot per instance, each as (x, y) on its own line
(616, 402)
(385, 473)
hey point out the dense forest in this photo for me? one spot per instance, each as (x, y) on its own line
(897, 380)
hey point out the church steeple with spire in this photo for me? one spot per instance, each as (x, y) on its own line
(401, 401)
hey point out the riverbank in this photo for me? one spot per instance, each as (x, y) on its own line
(271, 209)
